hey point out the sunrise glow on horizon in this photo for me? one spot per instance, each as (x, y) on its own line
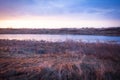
(59, 13)
(57, 24)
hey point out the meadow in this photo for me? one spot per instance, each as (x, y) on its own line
(68, 60)
(113, 31)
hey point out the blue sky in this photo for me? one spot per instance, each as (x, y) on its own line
(107, 10)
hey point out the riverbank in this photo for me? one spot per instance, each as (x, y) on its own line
(69, 60)
(115, 31)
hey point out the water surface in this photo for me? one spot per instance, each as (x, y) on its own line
(49, 37)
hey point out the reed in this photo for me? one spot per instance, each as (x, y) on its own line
(69, 60)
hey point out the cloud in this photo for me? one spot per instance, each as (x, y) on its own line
(82, 9)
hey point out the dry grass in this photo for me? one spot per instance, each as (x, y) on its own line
(31, 60)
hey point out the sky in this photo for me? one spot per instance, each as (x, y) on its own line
(59, 13)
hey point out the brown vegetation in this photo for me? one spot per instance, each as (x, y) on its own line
(115, 31)
(40, 60)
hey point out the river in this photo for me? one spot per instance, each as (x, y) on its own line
(57, 37)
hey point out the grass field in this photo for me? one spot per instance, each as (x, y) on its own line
(115, 31)
(69, 60)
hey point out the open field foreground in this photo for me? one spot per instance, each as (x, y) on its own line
(40, 60)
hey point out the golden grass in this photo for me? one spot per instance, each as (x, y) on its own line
(69, 64)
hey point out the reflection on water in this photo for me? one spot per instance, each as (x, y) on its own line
(48, 37)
